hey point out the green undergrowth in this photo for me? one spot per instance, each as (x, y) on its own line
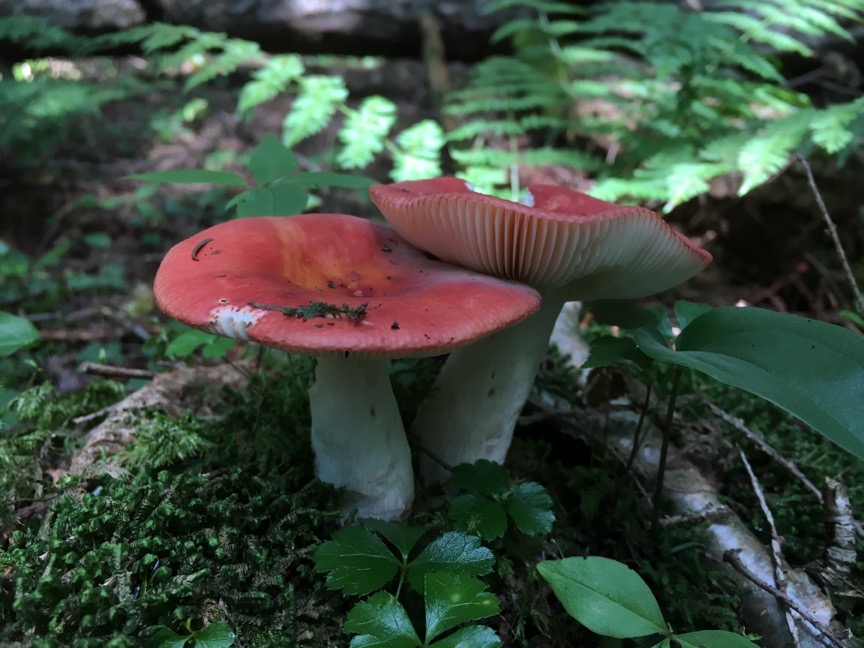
(225, 534)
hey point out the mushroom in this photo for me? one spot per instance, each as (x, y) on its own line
(354, 294)
(566, 244)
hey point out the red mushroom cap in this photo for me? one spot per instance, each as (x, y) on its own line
(321, 283)
(563, 241)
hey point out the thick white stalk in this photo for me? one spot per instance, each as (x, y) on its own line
(358, 437)
(472, 410)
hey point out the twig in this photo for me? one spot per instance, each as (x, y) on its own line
(739, 425)
(111, 371)
(731, 557)
(832, 229)
(664, 448)
(776, 546)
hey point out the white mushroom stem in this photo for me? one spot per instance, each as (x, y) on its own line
(358, 437)
(472, 409)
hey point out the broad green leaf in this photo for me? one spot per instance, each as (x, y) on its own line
(484, 477)
(362, 135)
(452, 599)
(687, 311)
(713, 639)
(470, 637)
(218, 347)
(15, 333)
(329, 179)
(191, 176)
(811, 369)
(167, 638)
(402, 536)
(608, 350)
(623, 313)
(605, 596)
(381, 622)
(477, 514)
(215, 635)
(271, 160)
(186, 343)
(454, 551)
(278, 199)
(356, 561)
(531, 508)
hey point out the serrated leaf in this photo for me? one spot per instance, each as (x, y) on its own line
(166, 638)
(470, 637)
(15, 333)
(271, 160)
(215, 635)
(484, 477)
(454, 551)
(605, 596)
(403, 537)
(713, 639)
(530, 507)
(313, 108)
(811, 369)
(452, 599)
(191, 176)
(478, 515)
(363, 132)
(356, 561)
(381, 622)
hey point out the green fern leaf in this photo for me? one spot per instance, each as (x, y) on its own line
(269, 81)
(314, 107)
(363, 132)
(236, 52)
(831, 126)
(769, 151)
(419, 152)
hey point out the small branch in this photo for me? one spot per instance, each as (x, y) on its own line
(111, 371)
(832, 229)
(731, 557)
(776, 546)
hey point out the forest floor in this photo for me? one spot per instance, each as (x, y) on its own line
(212, 513)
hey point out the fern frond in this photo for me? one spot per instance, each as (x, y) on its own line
(314, 107)
(419, 152)
(236, 52)
(363, 132)
(769, 150)
(831, 126)
(540, 6)
(35, 34)
(267, 82)
(480, 126)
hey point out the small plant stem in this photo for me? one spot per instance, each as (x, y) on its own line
(637, 434)
(832, 230)
(664, 450)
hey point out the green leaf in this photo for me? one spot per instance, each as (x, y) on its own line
(215, 635)
(268, 81)
(608, 350)
(811, 369)
(363, 132)
(419, 154)
(167, 638)
(187, 343)
(313, 108)
(687, 311)
(356, 561)
(531, 508)
(402, 536)
(605, 596)
(452, 599)
(191, 176)
(15, 333)
(271, 160)
(280, 199)
(329, 179)
(470, 637)
(479, 515)
(484, 477)
(454, 551)
(381, 621)
(713, 639)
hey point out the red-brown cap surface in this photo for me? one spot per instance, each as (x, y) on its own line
(346, 284)
(565, 242)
